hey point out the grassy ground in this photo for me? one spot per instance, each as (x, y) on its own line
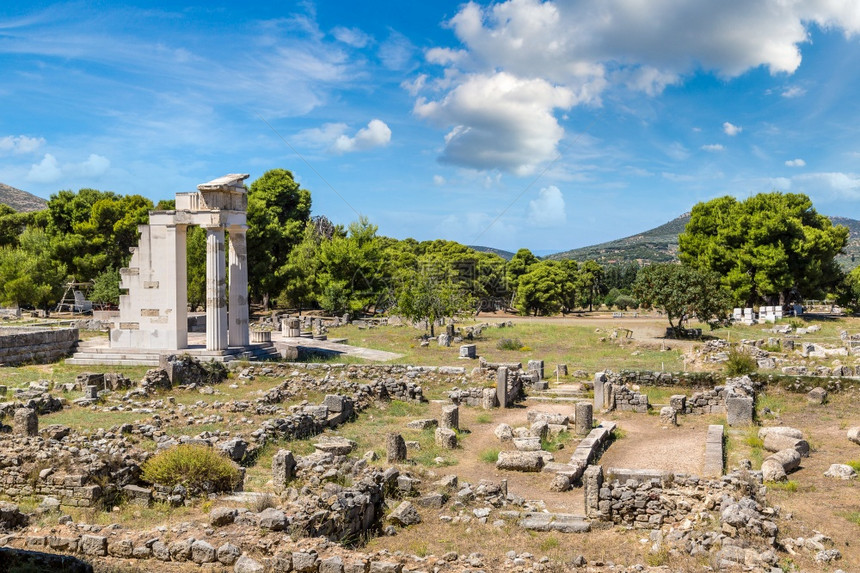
(578, 346)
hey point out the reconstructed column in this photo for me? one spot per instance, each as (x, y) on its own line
(238, 313)
(216, 290)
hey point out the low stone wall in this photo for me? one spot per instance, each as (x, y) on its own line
(708, 402)
(646, 499)
(624, 399)
(35, 345)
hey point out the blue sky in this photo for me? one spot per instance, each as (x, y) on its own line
(547, 125)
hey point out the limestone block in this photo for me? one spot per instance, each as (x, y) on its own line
(777, 442)
(95, 545)
(668, 416)
(331, 565)
(536, 366)
(404, 515)
(202, 552)
(444, 340)
(221, 516)
(283, 469)
(247, 565)
(560, 370)
(772, 470)
(841, 471)
(782, 430)
(502, 386)
(528, 444)
(489, 399)
(789, 458)
(520, 461)
(450, 418)
(395, 448)
(137, 495)
(305, 562)
(539, 429)
(423, 424)
(273, 519)
(468, 351)
(446, 439)
(25, 422)
(854, 435)
(740, 410)
(228, 554)
(584, 418)
(678, 402)
(504, 432)
(817, 396)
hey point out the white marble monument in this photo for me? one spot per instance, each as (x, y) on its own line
(153, 315)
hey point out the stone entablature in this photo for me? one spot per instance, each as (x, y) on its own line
(153, 315)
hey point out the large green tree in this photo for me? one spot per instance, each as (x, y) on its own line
(768, 247)
(278, 209)
(682, 293)
(28, 275)
(352, 278)
(428, 295)
(540, 290)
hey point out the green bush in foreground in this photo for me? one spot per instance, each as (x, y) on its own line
(509, 344)
(194, 466)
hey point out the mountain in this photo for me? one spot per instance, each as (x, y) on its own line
(20, 200)
(507, 255)
(660, 244)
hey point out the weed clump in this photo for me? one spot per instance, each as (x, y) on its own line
(509, 344)
(740, 363)
(194, 466)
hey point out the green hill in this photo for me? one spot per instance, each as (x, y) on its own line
(507, 255)
(660, 244)
(20, 200)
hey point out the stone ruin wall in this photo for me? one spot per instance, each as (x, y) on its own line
(35, 345)
(646, 499)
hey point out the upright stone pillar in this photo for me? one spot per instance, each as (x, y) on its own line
(584, 418)
(502, 386)
(599, 388)
(216, 290)
(238, 312)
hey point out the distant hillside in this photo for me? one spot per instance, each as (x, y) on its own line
(657, 245)
(661, 244)
(20, 200)
(507, 255)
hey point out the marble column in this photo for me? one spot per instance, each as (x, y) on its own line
(216, 290)
(238, 263)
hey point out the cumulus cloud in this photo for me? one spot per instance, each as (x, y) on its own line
(499, 121)
(46, 171)
(20, 144)
(713, 147)
(333, 136)
(376, 134)
(795, 163)
(49, 169)
(548, 210)
(581, 49)
(731, 129)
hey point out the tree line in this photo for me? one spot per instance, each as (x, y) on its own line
(771, 248)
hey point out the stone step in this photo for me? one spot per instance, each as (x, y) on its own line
(560, 522)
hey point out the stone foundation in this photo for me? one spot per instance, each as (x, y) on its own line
(35, 345)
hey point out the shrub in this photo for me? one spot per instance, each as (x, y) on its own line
(194, 466)
(855, 464)
(490, 456)
(740, 363)
(509, 344)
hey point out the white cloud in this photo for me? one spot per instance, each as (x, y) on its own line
(829, 186)
(46, 171)
(793, 91)
(396, 52)
(20, 144)
(351, 36)
(438, 180)
(713, 147)
(49, 169)
(548, 210)
(323, 136)
(376, 134)
(583, 49)
(731, 129)
(795, 163)
(499, 121)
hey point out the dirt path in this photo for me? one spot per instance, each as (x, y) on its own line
(647, 445)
